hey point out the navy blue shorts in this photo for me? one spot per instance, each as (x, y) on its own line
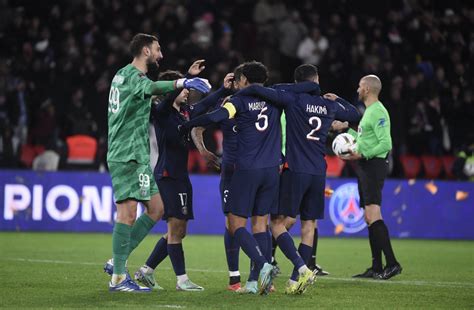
(301, 194)
(255, 192)
(227, 171)
(177, 197)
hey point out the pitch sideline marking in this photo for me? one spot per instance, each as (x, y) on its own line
(404, 282)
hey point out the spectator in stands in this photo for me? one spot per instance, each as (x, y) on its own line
(311, 50)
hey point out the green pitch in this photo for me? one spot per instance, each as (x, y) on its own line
(49, 270)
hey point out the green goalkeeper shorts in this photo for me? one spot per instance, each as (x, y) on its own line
(132, 180)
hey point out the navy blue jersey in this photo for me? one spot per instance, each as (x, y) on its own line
(172, 154)
(229, 143)
(308, 120)
(258, 132)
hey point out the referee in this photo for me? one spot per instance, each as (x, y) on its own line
(373, 145)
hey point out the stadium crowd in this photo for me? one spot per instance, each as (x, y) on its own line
(58, 59)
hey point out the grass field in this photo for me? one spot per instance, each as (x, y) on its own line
(53, 270)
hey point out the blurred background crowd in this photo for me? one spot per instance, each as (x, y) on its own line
(57, 60)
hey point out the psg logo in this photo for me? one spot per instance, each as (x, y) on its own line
(344, 209)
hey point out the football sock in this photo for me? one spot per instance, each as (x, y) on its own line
(182, 278)
(140, 229)
(274, 248)
(262, 242)
(120, 246)
(382, 237)
(287, 246)
(376, 251)
(305, 253)
(250, 246)
(231, 251)
(269, 250)
(176, 253)
(312, 258)
(159, 253)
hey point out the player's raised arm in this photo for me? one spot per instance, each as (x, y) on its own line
(204, 104)
(273, 96)
(345, 111)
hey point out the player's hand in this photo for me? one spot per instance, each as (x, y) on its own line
(353, 155)
(338, 125)
(211, 158)
(197, 67)
(228, 80)
(199, 84)
(331, 96)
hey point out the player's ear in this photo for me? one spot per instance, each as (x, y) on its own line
(146, 51)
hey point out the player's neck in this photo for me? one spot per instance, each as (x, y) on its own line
(370, 100)
(140, 64)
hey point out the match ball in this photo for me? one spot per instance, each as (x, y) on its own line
(342, 145)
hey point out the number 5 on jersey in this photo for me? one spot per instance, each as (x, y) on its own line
(265, 120)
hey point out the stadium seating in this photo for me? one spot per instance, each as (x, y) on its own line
(411, 166)
(448, 162)
(432, 166)
(335, 166)
(82, 150)
(29, 152)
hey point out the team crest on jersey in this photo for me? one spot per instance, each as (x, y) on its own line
(359, 130)
(344, 209)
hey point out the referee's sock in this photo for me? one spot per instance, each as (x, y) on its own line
(274, 248)
(382, 238)
(312, 259)
(159, 253)
(376, 251)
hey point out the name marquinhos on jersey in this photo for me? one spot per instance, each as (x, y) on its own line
(310, 108)
(257, 105)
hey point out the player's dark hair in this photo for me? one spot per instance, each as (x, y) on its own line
(254, 71)
(139, 41)
(306, 72)
(170, 75)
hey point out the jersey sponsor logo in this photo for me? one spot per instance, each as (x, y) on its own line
(381, 122)
(310, 108)
(259, 105)
(344, 209)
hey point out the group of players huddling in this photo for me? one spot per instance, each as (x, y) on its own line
(257, 179)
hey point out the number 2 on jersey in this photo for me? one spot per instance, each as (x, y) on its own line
(312, 121)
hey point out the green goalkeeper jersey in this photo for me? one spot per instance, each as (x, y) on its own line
(129, 113)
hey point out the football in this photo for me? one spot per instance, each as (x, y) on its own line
(342, 145)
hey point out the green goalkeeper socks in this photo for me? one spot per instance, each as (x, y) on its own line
(120, 246)
(140, 229)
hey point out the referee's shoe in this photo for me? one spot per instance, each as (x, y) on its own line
(390, 271)
(370, 273)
